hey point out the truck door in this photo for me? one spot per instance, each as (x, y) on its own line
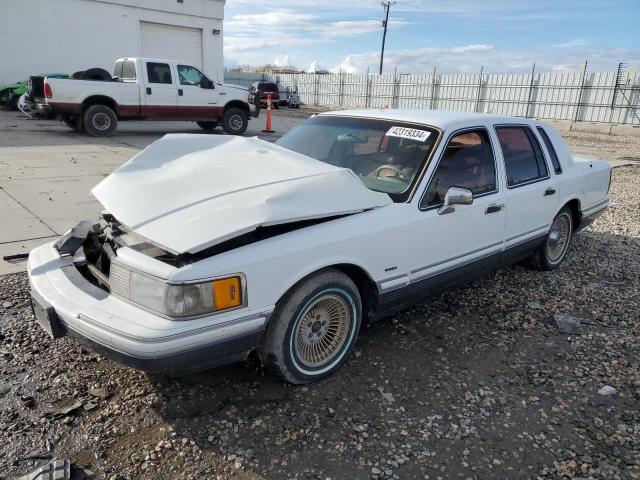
(198, 99)
(160, 92)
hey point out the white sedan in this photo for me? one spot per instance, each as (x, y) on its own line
(211, 247)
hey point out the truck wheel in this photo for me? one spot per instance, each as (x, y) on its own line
(14, 102)
(72, 123)
(313, 329)
(208, 125)
(100, 121)
(550, 254)
(235, 121)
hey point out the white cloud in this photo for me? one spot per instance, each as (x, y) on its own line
(282, 61)
(470, 58)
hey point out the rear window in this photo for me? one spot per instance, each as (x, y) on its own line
(522, 154)
(268, 87)
(159, 73)
(125, 70)
(552, 151)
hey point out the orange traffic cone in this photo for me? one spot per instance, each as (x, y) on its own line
(267, 128)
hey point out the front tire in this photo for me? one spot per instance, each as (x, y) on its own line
(551, 253)
(313, 329)
(100, 121)
(235, 121)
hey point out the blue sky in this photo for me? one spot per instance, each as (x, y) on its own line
(452, 35)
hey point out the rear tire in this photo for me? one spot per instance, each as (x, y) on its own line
(14, 102)
(235, 121)
(100, 121)
(313, 328)
(551, 253)
(208, 125)
(72, 123)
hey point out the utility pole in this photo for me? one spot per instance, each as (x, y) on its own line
(386, 6)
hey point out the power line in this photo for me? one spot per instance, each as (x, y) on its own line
(386, 5)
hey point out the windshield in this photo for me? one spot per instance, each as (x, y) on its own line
(386, 155)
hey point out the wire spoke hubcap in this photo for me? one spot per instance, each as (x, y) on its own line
(322, 330)
(558, 240)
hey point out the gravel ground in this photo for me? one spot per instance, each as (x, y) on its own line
(475, 383)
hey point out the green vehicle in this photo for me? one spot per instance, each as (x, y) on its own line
(11, 93)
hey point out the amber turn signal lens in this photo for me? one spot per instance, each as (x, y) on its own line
(227, 293)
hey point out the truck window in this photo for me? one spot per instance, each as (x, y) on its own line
(159, 73)
(189, 75)
(128, 70)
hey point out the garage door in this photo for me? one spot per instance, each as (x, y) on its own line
(172, 43)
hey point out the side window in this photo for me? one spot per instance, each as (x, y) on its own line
(523, 159)
(552, 151)
(159, 73)
(467, 162)
(190, 75)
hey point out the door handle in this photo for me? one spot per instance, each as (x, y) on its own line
(493, 209)
(549, 191)
(180, 92)
(148, 90)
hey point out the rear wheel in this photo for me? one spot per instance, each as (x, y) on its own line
(72, 123)
(14, 102)
(235, 121)
(100, 121)
(208, 125)
(313, 328)
(551, 253)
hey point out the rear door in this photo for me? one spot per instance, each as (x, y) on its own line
(160, 91)
(532, 199)
(198, 99)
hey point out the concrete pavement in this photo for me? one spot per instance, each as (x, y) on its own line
(47, 172)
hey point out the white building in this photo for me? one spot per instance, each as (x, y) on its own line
(46, 36)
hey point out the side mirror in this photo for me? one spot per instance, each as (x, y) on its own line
(206, 83)
(455, 196)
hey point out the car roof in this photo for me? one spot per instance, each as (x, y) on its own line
(443, 119)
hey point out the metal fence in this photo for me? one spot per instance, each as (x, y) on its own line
(612, 97)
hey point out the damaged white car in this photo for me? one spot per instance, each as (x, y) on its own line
(211, 247)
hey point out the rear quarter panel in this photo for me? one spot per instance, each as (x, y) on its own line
(71, 91)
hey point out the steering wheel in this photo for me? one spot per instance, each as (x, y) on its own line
(397, 173)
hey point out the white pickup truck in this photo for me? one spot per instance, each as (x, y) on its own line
(146, 89)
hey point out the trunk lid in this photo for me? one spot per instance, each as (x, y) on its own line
(187, 192)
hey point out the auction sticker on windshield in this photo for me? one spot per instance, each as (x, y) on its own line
(411, 133)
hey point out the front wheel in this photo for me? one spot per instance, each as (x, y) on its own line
(235, 121)
(100, 121)
(551, 253)
(313, 328)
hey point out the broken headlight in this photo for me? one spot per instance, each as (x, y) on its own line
(178, 300)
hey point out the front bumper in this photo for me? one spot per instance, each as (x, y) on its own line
(128, 334)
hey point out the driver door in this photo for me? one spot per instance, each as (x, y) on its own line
(446, 248)
(196, 101)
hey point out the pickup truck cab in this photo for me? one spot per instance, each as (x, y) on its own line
(146, 89)
(213, 246)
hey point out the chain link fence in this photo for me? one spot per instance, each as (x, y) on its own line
(610, 97)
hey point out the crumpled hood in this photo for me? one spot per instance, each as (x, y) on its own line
(188, 192)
